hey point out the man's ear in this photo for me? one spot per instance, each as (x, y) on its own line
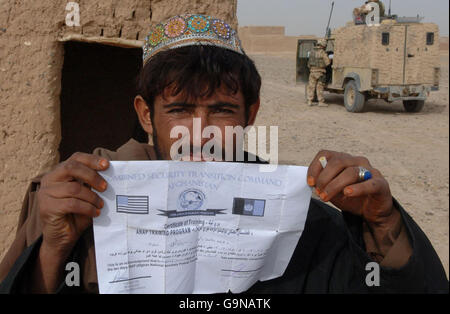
(143, 113)
(253, 111)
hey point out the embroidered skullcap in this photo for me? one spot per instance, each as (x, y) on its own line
(189, 30)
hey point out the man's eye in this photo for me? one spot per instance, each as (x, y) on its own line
(223, 110)
(177, 110)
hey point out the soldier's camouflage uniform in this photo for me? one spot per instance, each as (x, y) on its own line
(318, 62)
(365, 9)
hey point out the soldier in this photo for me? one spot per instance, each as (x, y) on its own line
(365, 9)
(318, 62)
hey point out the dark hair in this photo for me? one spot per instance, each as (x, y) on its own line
(198, 71)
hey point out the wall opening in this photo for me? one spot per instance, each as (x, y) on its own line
(97, 92)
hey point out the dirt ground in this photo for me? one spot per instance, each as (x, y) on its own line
(411, 150)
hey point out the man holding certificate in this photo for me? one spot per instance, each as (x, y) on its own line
(195, 70)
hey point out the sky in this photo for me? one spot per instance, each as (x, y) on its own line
(310, 17)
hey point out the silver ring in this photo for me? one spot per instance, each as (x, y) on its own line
(364, 174)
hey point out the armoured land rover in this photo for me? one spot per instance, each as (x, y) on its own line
(395, 60)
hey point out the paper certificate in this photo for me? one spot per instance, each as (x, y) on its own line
(197, 227)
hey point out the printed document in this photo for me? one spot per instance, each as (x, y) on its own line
(197, 227)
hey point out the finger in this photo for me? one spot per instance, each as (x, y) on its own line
(315, 167)
(73, 189)
(74, 170)
(347, 177)
(373, 186)
(92, 161)
(78, 207)
(336, 165)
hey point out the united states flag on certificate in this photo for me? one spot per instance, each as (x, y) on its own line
(132, 204)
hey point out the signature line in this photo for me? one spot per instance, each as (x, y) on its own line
(121, 280)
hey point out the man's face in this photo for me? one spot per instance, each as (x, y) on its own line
(221, 109)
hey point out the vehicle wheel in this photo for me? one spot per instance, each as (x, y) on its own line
(413, 105)
(354, 100)
(306, 94)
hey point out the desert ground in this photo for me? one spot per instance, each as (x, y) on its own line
(411, 150)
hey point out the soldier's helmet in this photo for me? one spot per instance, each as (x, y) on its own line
(322, 43)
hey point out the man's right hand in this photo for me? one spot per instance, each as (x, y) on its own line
(66, 207)
(66, 202)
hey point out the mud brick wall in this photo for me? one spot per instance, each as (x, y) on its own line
(269, 40)
(31, 59)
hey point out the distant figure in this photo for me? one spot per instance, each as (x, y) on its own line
(361, 12)
(318, 62)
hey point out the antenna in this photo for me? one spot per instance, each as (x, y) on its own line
(327, 31)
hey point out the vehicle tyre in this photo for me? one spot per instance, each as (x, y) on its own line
(354, 100)
(413, 105)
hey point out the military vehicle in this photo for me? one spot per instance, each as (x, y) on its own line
(397, 60)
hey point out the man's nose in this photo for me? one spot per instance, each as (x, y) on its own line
(202, 116)
(201, 121)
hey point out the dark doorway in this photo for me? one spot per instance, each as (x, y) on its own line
(97, 92)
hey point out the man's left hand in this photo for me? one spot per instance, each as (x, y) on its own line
(339, 184)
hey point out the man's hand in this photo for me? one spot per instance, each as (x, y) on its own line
(339, 184)
(66, 207)
(66, 202)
